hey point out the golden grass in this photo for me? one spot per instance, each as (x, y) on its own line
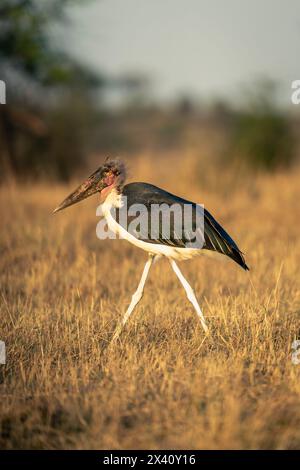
(163, 385)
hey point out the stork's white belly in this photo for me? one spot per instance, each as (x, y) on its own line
(155, 249)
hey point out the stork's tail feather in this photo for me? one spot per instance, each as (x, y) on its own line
(217, 239)
(238, 257)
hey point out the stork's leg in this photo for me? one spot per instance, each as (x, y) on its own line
(136, 296)
(190, 294)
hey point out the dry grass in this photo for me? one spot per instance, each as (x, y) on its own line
(163, 385)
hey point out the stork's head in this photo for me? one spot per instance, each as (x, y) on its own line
(111, 175)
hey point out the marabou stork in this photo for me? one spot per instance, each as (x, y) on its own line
(109, 181)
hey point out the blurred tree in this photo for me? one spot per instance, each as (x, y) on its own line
(262, 135)
(26, 47)
(32, 68)
(135, 90)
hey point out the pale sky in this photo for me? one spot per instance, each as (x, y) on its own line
(201, 47)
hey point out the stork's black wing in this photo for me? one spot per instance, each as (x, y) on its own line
(215, 238)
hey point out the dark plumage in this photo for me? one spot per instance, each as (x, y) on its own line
(215, 237)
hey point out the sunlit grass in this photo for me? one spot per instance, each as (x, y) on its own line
(163, 384)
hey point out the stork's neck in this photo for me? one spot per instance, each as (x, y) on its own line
(114, 199)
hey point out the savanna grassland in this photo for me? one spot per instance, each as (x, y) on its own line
(163, 385)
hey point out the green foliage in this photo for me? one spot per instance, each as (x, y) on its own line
(42, 128)
(26, 47)
(261, 135)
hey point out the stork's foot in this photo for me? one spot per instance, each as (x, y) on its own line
(205, 328)
(117, 333)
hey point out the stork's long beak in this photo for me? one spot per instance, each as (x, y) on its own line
(89, 187)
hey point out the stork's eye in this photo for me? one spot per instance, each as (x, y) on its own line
(109, 178)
